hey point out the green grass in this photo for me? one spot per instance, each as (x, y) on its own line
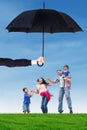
(43, 122)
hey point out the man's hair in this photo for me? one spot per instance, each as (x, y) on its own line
(59, 70)
(24, 89)
(66, 66)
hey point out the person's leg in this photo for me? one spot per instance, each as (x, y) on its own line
(45, 104)
(28, 108)
(68, 98)
(42, 104)
(60, 99)
(24, 108)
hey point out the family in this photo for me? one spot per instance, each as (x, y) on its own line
(64, 80)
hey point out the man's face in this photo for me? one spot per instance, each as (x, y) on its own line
(59, 73)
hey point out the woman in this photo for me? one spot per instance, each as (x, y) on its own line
(41, 89)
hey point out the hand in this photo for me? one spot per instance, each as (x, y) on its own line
(40, 61)
(32, 91)
(48, 79)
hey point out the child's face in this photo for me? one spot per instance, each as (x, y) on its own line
(65, 68)
(26, 90)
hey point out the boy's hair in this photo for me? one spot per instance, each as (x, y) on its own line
(24, 89)
(66, 66)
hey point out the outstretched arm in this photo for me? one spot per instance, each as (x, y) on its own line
(49, 84)
(53, 81)
(14, 63)
(19, 62)
(35, 91)
(31, 93)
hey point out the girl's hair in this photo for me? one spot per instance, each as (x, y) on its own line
(43, 81)
(66, 66)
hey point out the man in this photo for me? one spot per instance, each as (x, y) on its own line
(63, 90)
(21, 62)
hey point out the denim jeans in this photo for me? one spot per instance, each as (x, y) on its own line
(65, 91)
(44, 104)
(26, 107)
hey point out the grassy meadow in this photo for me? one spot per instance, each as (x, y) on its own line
(43, 122)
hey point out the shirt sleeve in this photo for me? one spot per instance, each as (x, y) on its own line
(33, 62)
(15, 63)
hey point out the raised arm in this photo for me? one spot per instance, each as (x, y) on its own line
(31, 93)
(53, 81)
(49, 84)
(36, 91)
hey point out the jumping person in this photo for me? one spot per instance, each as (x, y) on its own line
(41, 89)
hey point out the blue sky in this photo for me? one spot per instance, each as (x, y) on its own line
(60, 49)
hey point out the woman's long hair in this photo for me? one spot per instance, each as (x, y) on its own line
(43, 81)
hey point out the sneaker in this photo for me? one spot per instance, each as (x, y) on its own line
(71, 112)
(61, 111)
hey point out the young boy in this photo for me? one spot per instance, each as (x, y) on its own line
(67, 76)
(26, 102)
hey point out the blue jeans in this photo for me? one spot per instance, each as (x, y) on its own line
(65, 91)
(26, 107)
(44, 104)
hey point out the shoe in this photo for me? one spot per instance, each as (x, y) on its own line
(61, 111)
(71, 112)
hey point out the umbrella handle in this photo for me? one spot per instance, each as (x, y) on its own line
(40, 65)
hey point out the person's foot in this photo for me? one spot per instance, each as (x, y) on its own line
(71, 112)
(60, 111)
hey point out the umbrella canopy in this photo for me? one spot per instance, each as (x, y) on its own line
(43, 20)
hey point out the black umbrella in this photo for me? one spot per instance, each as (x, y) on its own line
(43, 20)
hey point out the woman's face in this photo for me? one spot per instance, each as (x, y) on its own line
(40, 80)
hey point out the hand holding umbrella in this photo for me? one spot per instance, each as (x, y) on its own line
(43, 20)
(20, 62)
(40, 61)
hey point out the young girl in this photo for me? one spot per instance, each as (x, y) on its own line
(41, 89)
(67, 76)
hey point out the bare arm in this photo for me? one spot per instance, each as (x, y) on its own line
(49, 84)
(31, 93)
(68, 77)
(53, 81)
(35, 91)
